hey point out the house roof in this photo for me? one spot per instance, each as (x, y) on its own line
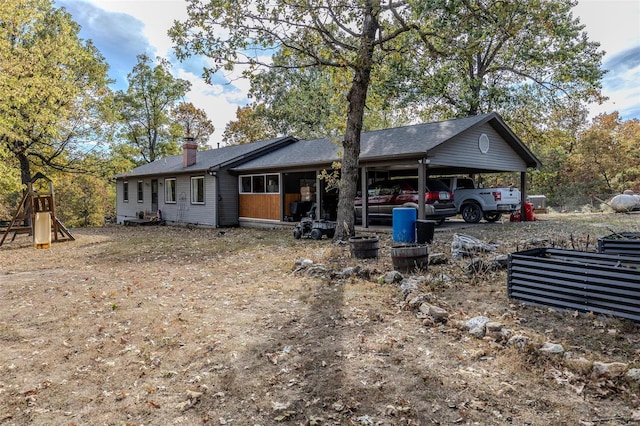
(400, 142)
(209, 159)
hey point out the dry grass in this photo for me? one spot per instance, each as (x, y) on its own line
(177, 326)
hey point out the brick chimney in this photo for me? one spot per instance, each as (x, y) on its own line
(189, 150)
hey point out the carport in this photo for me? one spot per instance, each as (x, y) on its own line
(478, 144)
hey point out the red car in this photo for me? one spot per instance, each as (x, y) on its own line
(384, 196)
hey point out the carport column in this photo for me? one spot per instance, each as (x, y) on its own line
(523, 196)
(364, 197)
(422, 185)
(318, 194)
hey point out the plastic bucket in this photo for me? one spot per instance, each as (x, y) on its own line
(424, 231)
(410, 257)
(404, 225)
(364, 247)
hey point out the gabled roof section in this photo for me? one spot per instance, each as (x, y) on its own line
(210, 159)
(388, 144)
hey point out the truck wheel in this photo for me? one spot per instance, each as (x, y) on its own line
(471, 212)
(492, 217)
(297, 234)
(316, 234)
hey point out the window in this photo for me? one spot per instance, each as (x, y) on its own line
(197, 190)
(170, 191)
(272, 183)
(125, 192)
(140, 193)
(245, 184)
(258, 184)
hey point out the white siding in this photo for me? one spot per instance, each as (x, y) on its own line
(183, 211)
(229, 190)
(130, 209)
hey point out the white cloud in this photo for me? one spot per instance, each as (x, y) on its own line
(615, 24)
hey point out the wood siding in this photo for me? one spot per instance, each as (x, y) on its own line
(463, 152)
(260, 206)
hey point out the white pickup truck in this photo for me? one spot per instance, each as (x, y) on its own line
(473, 203)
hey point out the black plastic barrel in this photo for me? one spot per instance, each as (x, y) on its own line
(424, 231)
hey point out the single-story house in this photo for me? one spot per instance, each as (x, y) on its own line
(277, 180)
(193, 188)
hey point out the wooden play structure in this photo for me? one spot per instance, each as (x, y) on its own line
(36, 216)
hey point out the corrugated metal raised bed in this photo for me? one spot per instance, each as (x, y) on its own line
(625, 243)
(575, 280)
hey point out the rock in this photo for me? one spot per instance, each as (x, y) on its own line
(633, 374)
(552, 348)
(416, 299)
(438, 313)
(579, 365)
(393, 277)
(317, 271)
(437, 259)
(608, 370)
(475, 322)
(493, 326)
(303, 263)
(407, 287)
(349, 272)
(519, 341)
(493, 330)
(435, 312)
(505, 334)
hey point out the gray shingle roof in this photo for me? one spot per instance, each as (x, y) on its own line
(414, 140)
(204, 159)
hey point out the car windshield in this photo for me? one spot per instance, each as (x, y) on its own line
(436, 185)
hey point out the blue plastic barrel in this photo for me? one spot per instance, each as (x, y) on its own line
(404, 225)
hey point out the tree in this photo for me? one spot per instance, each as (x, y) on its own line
(189, 121)
(606, 155)
(10, 185)
(355, 36)
(251, 125)
(52, 85)
(144, 111)
(509, 56)
(309, 102)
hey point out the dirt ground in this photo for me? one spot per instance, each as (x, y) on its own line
(167, 325)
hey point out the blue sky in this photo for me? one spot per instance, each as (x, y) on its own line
(122, 29)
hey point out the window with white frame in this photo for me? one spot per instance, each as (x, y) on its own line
(170, 190)
(125, 191)
(259, 184)
(140, 192)
(197, 190)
